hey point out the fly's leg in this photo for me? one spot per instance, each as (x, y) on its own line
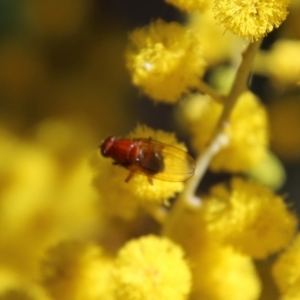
(130, 175)
(150, 180)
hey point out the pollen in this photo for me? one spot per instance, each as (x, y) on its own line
(251, 19)
(151, 268)
(249, 217)
(164, 60)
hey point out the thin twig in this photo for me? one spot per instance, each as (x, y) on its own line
(187, 199)
(205, 89)
(219, 139)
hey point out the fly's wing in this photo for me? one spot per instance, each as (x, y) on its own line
(178, 164)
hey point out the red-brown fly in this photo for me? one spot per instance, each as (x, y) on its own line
(150, 158)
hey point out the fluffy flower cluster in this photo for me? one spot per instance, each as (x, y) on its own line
(143, 268)
(249, 217)
(286, 271)
(151, 268)
(247, 131)
(250, 19)
(164, 60)
(283, 63)
(238, 222)
(71, 228)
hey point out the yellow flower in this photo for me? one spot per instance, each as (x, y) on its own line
(190, 5)
(114, 198)
(286, 270)
(252, 18)
(42, 201)
(247, 131)
(220, 273)
(151, 268)
(217, 271)
(77, 270)
(282, 63)
(164, 60)
(249, 217)
(269, 172)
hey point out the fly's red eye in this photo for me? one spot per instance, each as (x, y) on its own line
(106, 145)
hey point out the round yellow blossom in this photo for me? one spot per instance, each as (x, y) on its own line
(249, 217)
(270, 172)
(123, 198)
(220, 273)
(247, 131)
(286, 269)
(282, 63)
(190, 5)
(252, 18)
(151, 268)
(164, 60)
(217, 271)
(77, 270)
(41, 202)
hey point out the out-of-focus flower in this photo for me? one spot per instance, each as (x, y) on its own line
(25, 292)
(151, 268)
(220, 272)
(249, 217)
(269, 172)
(165, 60)
(190, 5)
(42, 201)
(284, 61)
(286, 271)
(281, 63)
(15, 286)
(251, 19)
(247, 131)
(77, 270)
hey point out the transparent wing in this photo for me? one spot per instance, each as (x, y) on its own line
(178, 164)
